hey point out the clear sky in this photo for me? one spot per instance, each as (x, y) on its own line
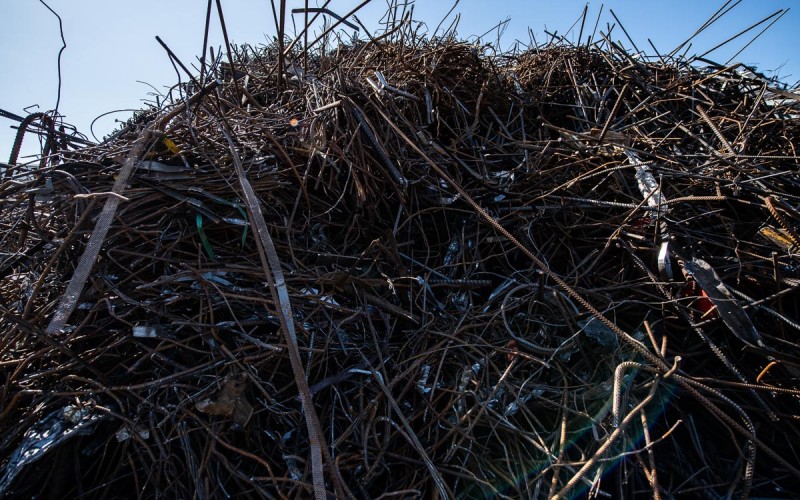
(111, 45)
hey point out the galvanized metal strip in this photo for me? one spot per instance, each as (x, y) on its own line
(80, 277)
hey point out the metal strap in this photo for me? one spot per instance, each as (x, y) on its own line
(280, 295)
(75, 287)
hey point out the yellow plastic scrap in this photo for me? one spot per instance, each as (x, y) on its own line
(170, 144)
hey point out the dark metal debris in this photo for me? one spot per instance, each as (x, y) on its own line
(411, 267)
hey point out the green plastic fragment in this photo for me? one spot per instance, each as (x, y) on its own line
(203, 239)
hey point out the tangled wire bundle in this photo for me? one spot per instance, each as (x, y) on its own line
(411, 267)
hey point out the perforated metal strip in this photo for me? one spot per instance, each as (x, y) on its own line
(81, 275)
(280, 295)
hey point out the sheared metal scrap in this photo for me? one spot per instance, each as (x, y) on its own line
(409, 266)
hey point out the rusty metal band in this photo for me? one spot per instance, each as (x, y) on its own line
(69, 300)
(280, 295)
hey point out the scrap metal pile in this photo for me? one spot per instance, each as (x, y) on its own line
(410, 267)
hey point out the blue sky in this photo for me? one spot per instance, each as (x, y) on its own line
(111, 46)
